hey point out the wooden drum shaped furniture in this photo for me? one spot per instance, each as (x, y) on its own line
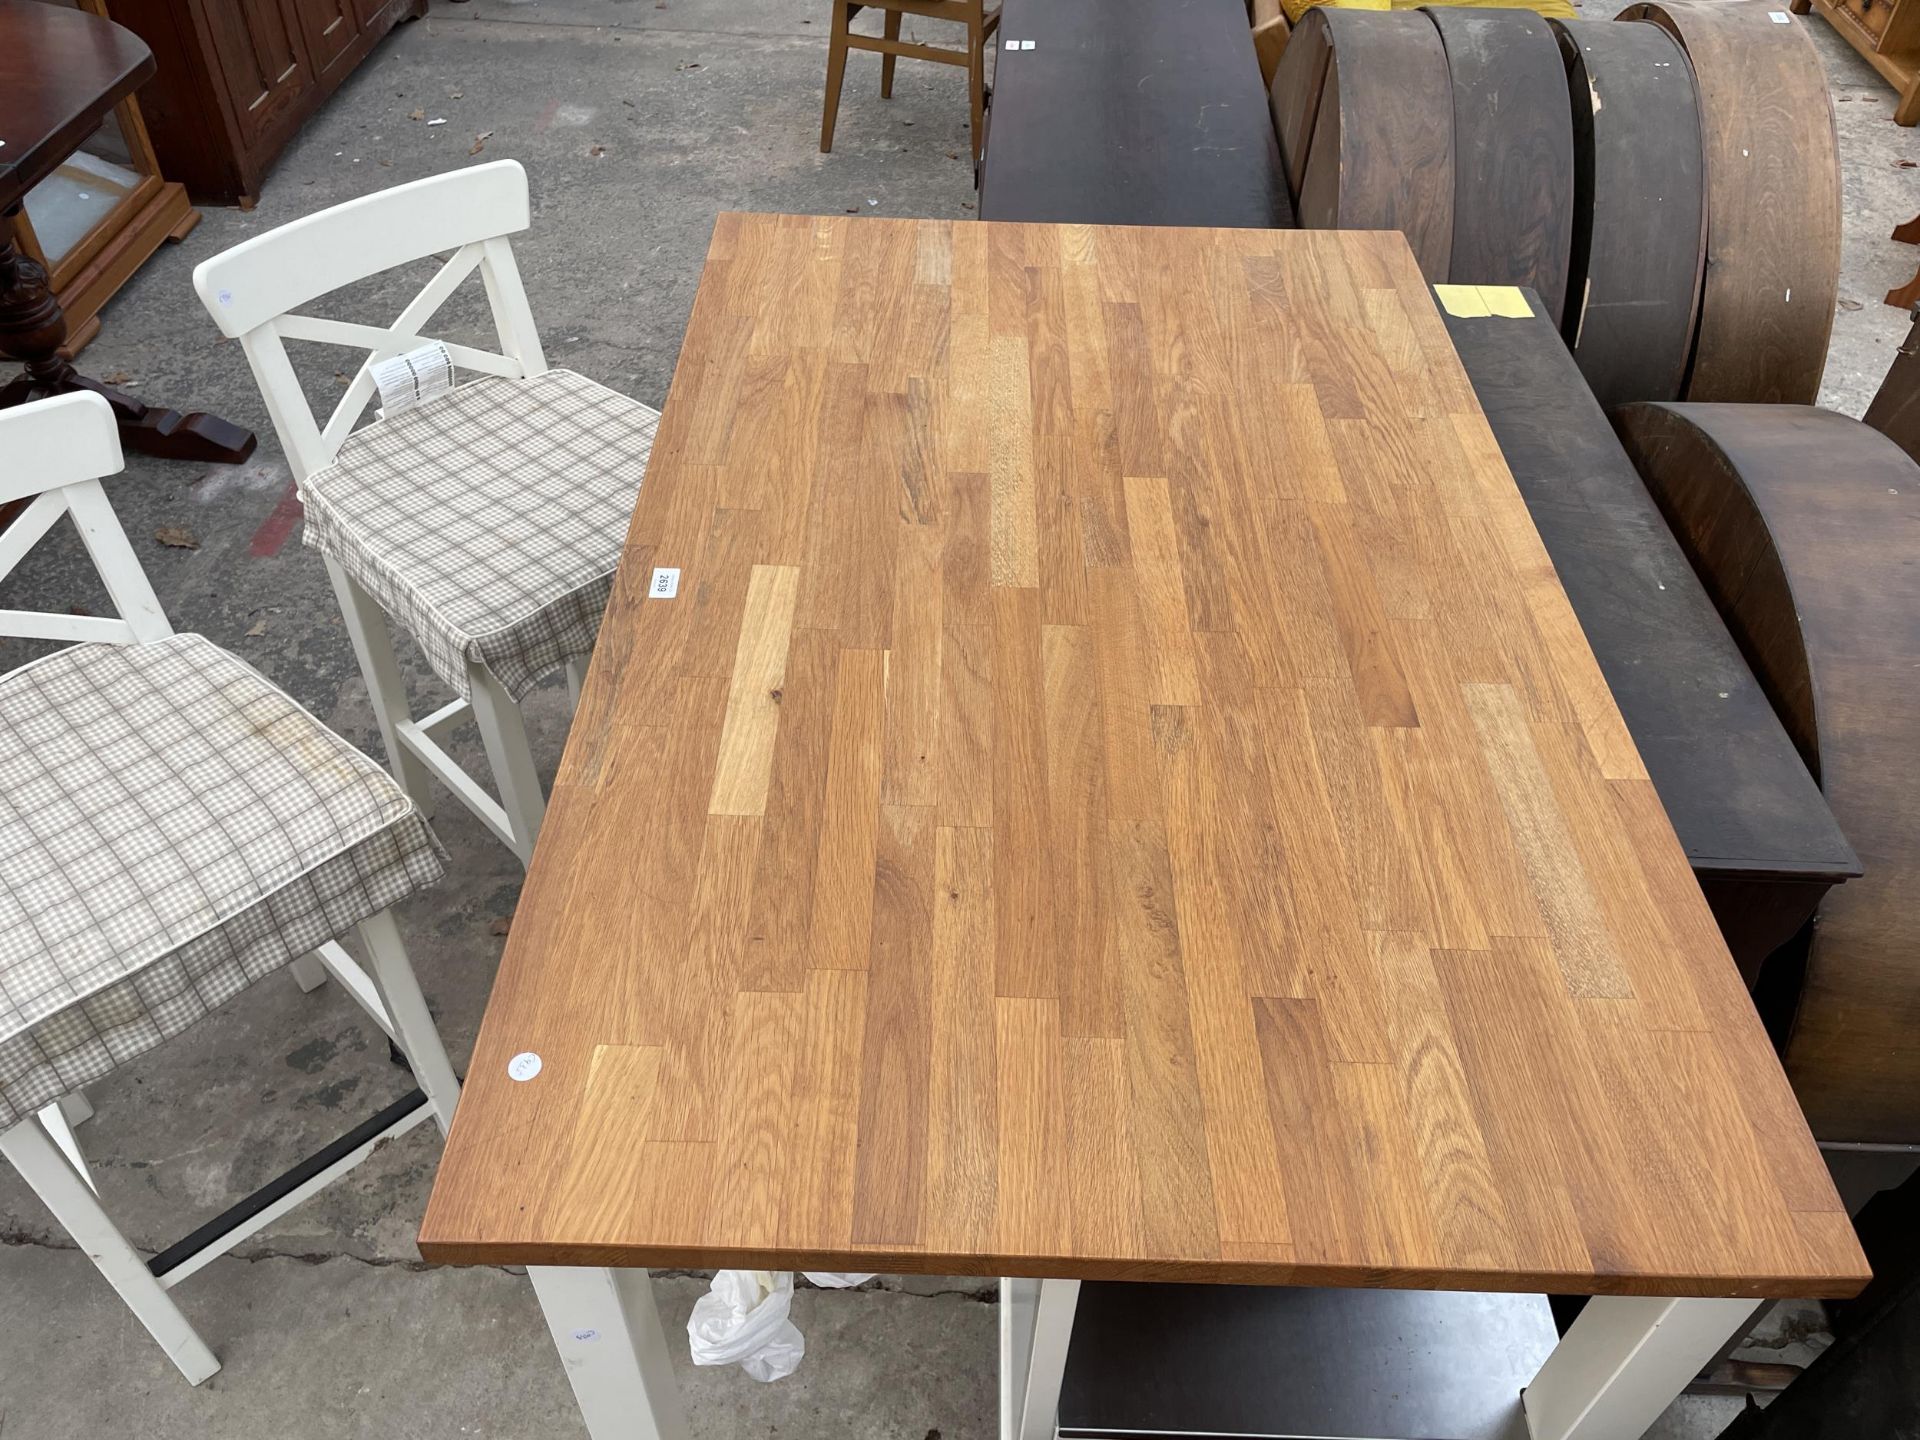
(1364, 113)
(1773, 199)
(1802, 523)
(1512, 150)
(1639, 209)
(1112, 790)
(1669, 186)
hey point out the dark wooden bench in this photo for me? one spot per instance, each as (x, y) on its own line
(1130, 112)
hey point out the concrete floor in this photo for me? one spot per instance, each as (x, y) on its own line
(638, 120)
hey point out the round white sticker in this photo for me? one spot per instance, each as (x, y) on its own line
(524, 1066)
(586, 1337)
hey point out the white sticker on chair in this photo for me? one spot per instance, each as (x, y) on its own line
(405, 381)
(664, 585)
(524, 1066)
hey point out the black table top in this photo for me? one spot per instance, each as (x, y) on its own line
(1739, 796)
(61, 70)
(1130, 112)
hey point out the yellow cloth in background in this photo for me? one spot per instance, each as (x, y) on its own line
(1552, 9)
(1296, 8)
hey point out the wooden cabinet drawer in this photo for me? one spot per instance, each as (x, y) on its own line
(1871, 14)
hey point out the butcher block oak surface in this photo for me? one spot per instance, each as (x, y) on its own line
(1118, 792)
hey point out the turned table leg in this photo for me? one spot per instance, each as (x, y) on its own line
(32, 330)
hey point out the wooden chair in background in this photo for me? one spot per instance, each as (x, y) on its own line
(980, 23)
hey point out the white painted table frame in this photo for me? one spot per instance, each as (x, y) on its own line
(251, 292)
(63, 448)
(1620, 1365)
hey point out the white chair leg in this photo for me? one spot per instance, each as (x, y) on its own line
(76, 1107)
(34, 1153)
(503, 731)
(309, 973)
(576, 677)
(413, 1028)
(59, 1126)
(373, 646)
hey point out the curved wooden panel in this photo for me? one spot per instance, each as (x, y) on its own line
(1773, 199)
(1512, 151)
(1802, 523)
(1294, 96)
(1639, 209)
(1381, 153)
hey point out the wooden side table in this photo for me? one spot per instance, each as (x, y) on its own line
(61, 72)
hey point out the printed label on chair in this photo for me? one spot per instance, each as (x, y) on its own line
(406, 380)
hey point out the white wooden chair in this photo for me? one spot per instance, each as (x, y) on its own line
(487, 520)
(172, 828)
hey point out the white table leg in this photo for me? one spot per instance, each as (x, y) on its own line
(607, 1330)
(1623, 1362)
(1036, 1324)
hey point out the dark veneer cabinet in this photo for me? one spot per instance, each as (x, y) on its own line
(236, 79)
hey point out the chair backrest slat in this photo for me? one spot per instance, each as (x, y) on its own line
(63, 447)
(251, 290)
(304, 259)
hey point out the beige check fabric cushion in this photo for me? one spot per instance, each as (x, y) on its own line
(489, 520)
(172, 828)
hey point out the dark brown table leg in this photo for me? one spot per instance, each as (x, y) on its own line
(32, 329)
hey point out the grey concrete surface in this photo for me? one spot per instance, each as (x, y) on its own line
(638, 121)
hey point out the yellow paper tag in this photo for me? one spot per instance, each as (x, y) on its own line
(1505, 300)
(1461, 300)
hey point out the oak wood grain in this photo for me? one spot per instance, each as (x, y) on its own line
(1269, 915)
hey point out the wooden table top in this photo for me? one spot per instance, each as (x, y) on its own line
(1118, 792)
(61, 70)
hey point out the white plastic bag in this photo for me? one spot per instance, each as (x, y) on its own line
(743, 1320)
(828, 1280)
